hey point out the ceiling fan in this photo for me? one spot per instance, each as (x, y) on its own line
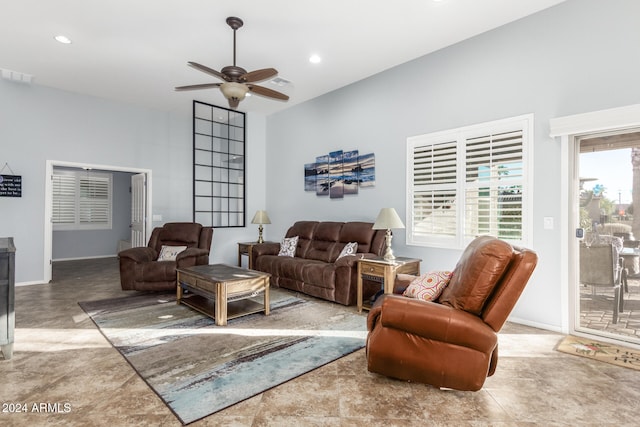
(237, 81)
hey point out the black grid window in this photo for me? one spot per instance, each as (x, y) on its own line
(218, 166)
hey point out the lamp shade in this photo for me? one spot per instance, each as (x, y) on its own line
(387, 219)
(261, 217)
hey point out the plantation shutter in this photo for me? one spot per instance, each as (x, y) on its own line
(81, 200)
(64, 199)
(470, 181)
(434, 189)
(94, 200)
(493, 185)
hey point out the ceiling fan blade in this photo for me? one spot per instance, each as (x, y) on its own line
(269, 93)
(196, 87)
(208, 70)
(259, 75)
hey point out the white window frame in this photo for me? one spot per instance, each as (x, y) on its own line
(453, 227)
(80, 210)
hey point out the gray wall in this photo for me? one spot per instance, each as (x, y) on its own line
(577, 57)
(77, 244)
(38, 124)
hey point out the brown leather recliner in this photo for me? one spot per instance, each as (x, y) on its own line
(139, 268)
(453, 341)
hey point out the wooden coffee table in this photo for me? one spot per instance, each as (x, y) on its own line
(222, 291)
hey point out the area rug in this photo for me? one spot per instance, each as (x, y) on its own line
(198, 368)
(604, 352)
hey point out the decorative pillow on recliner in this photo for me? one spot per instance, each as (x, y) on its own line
(478, 271)
(169, 253)
(429, 286)
(288, 246)
(349, 249)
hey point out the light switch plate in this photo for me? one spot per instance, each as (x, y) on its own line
(548, 223)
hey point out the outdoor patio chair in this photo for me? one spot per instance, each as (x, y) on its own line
(600, 266)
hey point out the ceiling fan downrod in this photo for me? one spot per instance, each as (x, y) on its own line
(234, 23)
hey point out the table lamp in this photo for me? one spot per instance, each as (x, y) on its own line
(260, 217)
(387, 219)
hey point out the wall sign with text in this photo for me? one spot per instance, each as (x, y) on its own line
(10, 185)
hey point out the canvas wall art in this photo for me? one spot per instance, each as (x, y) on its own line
(340, 173)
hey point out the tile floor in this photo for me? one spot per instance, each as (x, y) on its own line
(62, 361)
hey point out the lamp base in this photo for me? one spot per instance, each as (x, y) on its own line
(388, 253)
(260, 239)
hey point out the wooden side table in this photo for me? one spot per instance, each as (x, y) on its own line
(379, 270)
(246, 248)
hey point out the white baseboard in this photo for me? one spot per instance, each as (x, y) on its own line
(83, 258)
(30, 283)
(545, 326)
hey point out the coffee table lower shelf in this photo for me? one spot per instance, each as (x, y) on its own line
(207, 306)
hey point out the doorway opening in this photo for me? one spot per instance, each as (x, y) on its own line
(607, 292)
(137, 212)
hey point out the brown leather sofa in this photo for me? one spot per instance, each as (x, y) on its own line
(139, 268)
(316, 270)
(452, 342)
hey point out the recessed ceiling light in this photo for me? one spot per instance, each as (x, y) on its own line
(63, 39)
(315, 59)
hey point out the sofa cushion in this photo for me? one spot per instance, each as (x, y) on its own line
(179, 233)
(288, 246)
(323, 246)
(480, 267)
(359, 232)
(305, 231)
(319, 274)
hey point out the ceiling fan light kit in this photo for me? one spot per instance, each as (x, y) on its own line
(237, 81)
(232, 90)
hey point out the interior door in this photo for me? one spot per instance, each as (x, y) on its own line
(138, 209)
(609, 214)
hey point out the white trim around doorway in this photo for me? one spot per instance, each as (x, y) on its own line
(48, 197)
(567, 129)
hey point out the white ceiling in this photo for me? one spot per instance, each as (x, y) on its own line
(136, 51)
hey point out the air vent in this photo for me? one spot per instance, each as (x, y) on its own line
(278, 81)
(16, 76)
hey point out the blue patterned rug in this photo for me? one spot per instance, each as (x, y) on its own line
(198, 368)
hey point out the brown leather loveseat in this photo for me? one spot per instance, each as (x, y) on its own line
(316, 269)
(140, 269)
(453, 341)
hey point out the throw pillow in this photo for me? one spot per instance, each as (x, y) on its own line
(288, 246)
(169, 253)
(349, 249)
(429, 286)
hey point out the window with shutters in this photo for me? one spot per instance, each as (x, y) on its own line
(471, 181)
(81, 200)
